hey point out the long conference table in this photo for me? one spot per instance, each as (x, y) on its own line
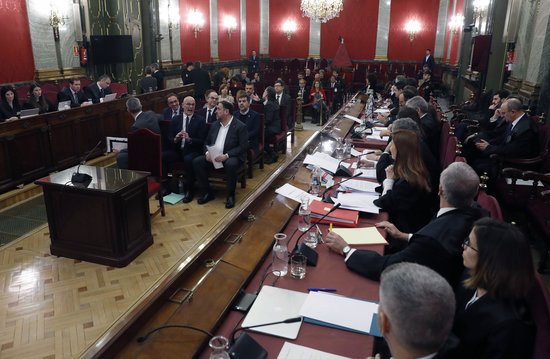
(235, 259)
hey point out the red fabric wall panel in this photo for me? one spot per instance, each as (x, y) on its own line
(16, 55)
(279, 45)
(425, 12)
(194, 49)
(252, 27)
(357, 23)
(229, 49)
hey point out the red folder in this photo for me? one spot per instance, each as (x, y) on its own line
(342, 217)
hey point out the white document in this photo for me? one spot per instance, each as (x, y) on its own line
(294, 193)
(382, 110)
(363, 235)
(273, 305)
(521, 182)
(356, 153)
(376, 136)
(325, 161)
(341, 311)
(368, 173)
(358, 120)
(362, 202)
(293, 351)
(362, 186)
(214, 152)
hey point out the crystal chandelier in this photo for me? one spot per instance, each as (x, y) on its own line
(321, 10)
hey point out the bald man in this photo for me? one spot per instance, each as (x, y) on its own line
(188, 133)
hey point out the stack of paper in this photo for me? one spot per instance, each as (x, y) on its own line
(369, 173)
(290, 351)
(289, 191)
(362, 202)
(342, 217)
(358, 120)
(361, 186)
(357, 236)
(325, 161)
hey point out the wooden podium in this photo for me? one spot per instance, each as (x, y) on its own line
(104, 221)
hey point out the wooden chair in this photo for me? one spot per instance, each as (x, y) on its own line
(451, 153)
(145, 154)
(489, 203)
(252, 157)
(538, 210)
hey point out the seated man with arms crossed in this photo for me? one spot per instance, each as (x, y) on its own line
(416, 311)
(438, 245)
(230, 136)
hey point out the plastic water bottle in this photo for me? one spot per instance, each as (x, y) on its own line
(305, 215)
(315, 185)
(280, 255)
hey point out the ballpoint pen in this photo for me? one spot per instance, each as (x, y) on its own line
(322, 289)
(330, 228)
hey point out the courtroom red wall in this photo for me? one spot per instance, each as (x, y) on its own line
(252, 27)
(194, 49)
(15, 43)
(357, 23)
(399, 46)
(229, 49)
(279, 45)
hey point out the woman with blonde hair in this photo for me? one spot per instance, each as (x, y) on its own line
(225, 95)
(406, 194)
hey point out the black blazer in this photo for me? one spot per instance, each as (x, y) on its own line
(148, 82)
(272, 121)
(492, 328)
(149, 120)
(44, 106)
(409, 208)
(67, 95)
(438, 246)
(92, 92)
(524, 141)
(236, 141)
(431, 132)
(167, 114)
(197, 130)
(6, 111)
(429, 61)
(286, 101)
(203, 112)
(252, 122)
(159, 75)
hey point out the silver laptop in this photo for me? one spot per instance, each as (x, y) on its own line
(64, 105)
(29, 113)
(109, 97)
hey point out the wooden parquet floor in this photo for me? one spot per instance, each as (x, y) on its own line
(53, 307)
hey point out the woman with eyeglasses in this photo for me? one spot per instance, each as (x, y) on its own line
(492, 319)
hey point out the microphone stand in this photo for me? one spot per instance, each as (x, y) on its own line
(344, 171)
(303, 249)
(78, 177)
(323, 195)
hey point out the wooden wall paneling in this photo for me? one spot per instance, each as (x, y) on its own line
(30, 150)
(64, 139)
(6, 162)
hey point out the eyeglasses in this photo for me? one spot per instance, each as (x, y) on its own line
(466, 243)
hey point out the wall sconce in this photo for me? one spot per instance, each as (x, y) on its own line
(456, 23)
(289, 28)
(196, 20)
(57, 18)
(230, 24)
(412, 27)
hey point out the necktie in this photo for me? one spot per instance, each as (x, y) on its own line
(102, 92)
(208, 116)
(279, 99)
(174, 114)
(184, 128)
(508, 133)
(75, 97)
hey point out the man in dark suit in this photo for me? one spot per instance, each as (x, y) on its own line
(429, 60)
(188, 132)
(253, 63)
(174, 111)
(303, 90)
(201, 79)
(519, 140)
(148, 83)
(439, 244)
(74, 94)
(416, 310)
(208, 112)
(430, 126)
(95, 92)
(149, 120)
(337, 86)
(229, 137)
(251, 119)
(159, 75)
(186, 73)
(283, 99)
(251, 93)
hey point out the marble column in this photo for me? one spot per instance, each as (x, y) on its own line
(439, 48)
(383, 30)
(170, 44)
(214, 54)
(451, 36)
(243, 28)
(264, 27)
(314, 39)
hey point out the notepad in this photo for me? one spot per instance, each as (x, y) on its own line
(290, 351)
(172, 198)
(354, 236)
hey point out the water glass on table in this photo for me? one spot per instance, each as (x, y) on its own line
(298, 264)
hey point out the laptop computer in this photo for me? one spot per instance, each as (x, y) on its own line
(109, 97)
(29, 113)
(64, 105)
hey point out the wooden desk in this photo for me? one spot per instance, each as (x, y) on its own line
(106, 222)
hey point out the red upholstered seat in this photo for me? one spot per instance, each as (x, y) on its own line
(450, 153)
(252, 156)
(145, 154)
(489, 203)
(444, 140)
(119, 89)
(539, 305)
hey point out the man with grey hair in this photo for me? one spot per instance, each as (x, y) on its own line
(148, 119)
(95, 92)
(437, 245)
(416, 310)
(430, 126)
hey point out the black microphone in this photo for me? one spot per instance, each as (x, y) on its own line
(246, 347)
(343, 171)
(303, 249)
(78, 177)
(325, 192)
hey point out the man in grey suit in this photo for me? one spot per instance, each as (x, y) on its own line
(230, 137)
